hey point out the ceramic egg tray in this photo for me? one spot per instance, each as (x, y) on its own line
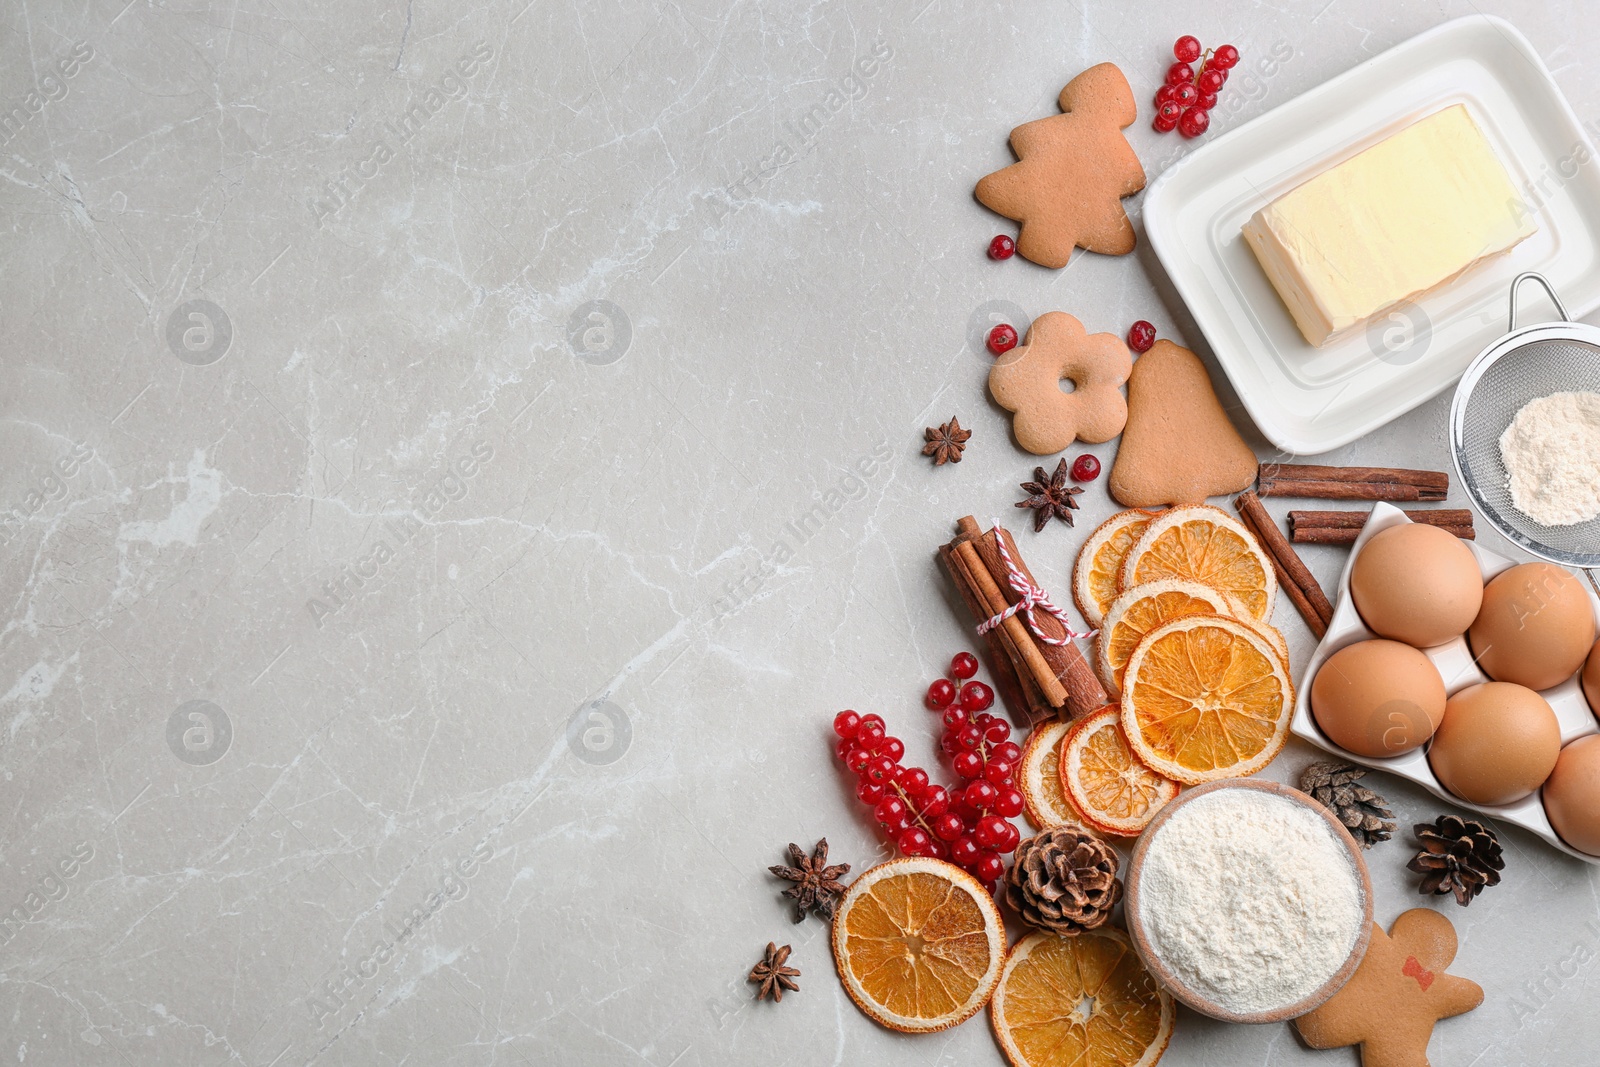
(1456, 667)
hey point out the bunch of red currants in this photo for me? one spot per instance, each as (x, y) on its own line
(1184, 103)
(968, 824)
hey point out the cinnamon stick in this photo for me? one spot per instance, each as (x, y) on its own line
(1337, 535)
(1355, 520)
(1390, 491)
(1023, 700)
(1294, 576)
(1311, 472)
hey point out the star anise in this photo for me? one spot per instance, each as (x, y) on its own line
(817, 886)
(771, 974)
(1050, 496)
(945, 443)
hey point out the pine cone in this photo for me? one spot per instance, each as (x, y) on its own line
(1364, 813)
(1458, 856)
(1065, 880)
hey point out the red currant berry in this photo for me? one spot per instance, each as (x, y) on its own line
(988, 867)
(914, 842)
(845, 723)
(1141, 335)
(983, 719)
(947, 745)
(1002, 247)
(955, 717)
(913, 780)
(1163, 94)
(874, 718)
(1210, 81)
(1166, 119)
(893, 747)
(935, 801)
(842, 747)
(1010, 802)
(1011, 839)
(1194, 122)
(938, 850)
(1180, 74)
(869, 792)
(980, 794)
(1186, 95)
(880, 770)
(998, 772)
(971, 736)
(1010, 751)
(1186, 49)
(1002, 339)
(940, 694)
(1225, 58)
(963, 665)
(964, 851)
(990, 831)
(949, 826)
(996, 731)
(1206, 102)
(869, 736)
(967, 765)
(857, 759)
(889, 809)
(1085, 468)
(976, 696)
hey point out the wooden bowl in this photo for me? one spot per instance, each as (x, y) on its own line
(1164, 974)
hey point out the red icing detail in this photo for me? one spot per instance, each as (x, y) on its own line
(1413, 968)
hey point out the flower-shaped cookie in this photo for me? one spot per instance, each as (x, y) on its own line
(1027, 382)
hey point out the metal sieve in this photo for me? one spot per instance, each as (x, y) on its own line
(1523, 365)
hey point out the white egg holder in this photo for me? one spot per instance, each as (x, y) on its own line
(1456, 666)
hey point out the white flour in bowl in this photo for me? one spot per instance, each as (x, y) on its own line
(1552, 455)
(1249, 899)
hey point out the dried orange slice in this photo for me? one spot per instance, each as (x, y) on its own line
(1096, 577)
(918, 944)
(1083, 1001)
(1205, 697)
(1040, 779)
(1201, 544)
(1115, 793)
(1140, 610)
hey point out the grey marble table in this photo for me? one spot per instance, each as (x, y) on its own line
(456, 460)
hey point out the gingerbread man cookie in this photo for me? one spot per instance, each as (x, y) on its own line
(1179, 447)
(1027, 382)
(1400, 990)
(1072, 172)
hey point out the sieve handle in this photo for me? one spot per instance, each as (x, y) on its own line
(1548, 288)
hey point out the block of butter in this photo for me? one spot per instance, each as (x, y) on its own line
(1404, 217)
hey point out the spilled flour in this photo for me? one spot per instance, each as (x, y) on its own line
(1552, 455)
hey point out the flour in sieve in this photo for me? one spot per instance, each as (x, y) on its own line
(1552, 455)
(1249, 899)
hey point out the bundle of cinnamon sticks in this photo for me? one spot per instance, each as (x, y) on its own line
(1035, 679)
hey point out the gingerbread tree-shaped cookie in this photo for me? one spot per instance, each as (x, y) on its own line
(1072, 172)
(1400, 990)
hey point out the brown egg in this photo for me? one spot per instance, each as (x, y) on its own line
(1378, 698)
(1591, 679)
(1417, 584)
(1572, 795)
(1497, 744)
(1535, 626)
